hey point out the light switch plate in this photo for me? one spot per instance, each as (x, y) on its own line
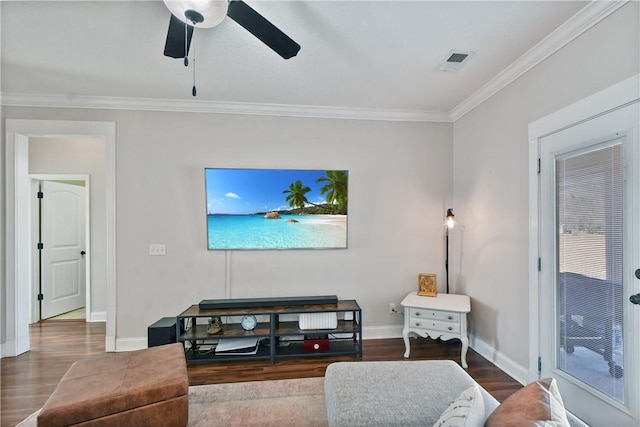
(157, 249)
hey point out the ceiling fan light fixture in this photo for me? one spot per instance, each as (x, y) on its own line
(212, 12)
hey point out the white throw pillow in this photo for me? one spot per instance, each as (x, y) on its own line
(466, 411)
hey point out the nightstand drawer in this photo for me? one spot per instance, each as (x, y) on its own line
(431, 325)
(446, 316)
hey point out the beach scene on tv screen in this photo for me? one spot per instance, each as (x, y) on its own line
(276, 208)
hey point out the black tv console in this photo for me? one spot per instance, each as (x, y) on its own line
(278, 332)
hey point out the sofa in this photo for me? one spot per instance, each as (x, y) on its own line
(421, 393)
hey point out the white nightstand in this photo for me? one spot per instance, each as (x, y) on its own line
(443, 316)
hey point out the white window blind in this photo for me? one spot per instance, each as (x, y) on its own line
(590, 213)
(589, 221)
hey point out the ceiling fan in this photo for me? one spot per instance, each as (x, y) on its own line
(188, 14)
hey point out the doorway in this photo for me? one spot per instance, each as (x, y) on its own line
(585, 237)
(18, 252)
(61, 242)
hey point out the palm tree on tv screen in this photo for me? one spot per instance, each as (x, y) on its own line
(297, 194)
(335, 188)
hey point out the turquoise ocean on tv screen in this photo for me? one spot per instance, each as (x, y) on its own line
(256, 232)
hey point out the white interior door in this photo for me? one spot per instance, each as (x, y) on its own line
(590, 249)
(63, 225)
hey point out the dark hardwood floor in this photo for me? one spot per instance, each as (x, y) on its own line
(29, 379)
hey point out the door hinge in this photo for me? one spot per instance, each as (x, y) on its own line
(538, 165)
(40, 195)
(539, 264)
(40, 246)
(40, 297)
(539, 364)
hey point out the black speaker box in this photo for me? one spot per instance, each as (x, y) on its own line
(162, 332)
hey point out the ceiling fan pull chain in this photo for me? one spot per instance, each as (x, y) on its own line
(193, 43)
(186, 45)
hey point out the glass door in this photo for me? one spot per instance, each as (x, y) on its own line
(588, 250)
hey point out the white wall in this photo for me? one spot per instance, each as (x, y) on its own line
(491, 178)
(400, 181)
(80, 156)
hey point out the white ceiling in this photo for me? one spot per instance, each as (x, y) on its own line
(374, 55)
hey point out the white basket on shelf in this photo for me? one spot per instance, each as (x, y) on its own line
(327, 320)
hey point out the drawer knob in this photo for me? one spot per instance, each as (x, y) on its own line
(417, 323)
(450, 328)
(450, 317)
(417, 313)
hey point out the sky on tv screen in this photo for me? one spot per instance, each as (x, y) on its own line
(247, 191)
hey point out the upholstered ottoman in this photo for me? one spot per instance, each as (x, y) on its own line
(140, 388)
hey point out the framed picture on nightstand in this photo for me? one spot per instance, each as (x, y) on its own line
(427, 285)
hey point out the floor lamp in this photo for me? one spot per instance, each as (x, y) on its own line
(449, 222)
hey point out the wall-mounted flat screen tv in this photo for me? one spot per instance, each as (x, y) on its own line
(276, 209)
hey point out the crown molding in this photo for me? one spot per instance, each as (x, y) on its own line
(582, 21)
(217, 107)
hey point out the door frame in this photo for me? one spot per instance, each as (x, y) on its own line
(624, 93)
(18, 275)
(35, 178)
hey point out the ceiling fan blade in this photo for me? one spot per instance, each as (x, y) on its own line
(264, 30)
(174, 47)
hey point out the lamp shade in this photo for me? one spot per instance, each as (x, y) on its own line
(213, 12)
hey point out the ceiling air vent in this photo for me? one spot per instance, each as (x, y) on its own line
(454, 60)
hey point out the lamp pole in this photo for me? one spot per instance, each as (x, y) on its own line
(449, 223)
(446, 258)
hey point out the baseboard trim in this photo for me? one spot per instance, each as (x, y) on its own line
(8, 349)
(381, 332)
(110, 343)
(97, 316)
(513, 369)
